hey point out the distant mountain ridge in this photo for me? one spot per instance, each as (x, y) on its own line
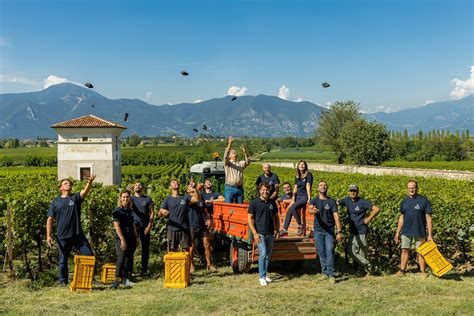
(30, 115)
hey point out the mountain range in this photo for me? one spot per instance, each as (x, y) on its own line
(30, 114)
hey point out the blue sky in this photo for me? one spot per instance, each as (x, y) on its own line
(387, 55)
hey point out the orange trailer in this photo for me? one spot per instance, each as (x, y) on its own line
(231, 221)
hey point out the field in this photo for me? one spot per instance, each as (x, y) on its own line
(224, 293)
(467, 165)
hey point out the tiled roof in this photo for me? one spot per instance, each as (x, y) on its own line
(87, 121)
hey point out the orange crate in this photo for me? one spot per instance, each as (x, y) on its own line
(107, 274)
(177, 266)
(434, 259)
(83, 273)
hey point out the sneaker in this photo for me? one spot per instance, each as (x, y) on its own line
(115, 285)
(263, 282)
(268, 280)
(332, 280)
(128, 283)
(400, 273)
(283, 233)
(323, 277)
(211, 268)
(300, 230)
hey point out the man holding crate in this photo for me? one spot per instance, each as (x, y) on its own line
(414, 219)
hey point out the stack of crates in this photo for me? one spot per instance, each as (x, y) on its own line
(83, 273)
(177, 266)
(434, 259)
(107, 274)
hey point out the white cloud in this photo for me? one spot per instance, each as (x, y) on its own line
(148, 95)
(328, 104)
(284, 92)
(198, 101)
(16, 79)
(52, 80)
(299, 100)
(463, 88)
(238, 92)
(384, 108)
(428, 102)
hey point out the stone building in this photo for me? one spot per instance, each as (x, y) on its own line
(89, 144)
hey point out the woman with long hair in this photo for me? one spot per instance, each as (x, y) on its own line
(125, 239)
(301, 197)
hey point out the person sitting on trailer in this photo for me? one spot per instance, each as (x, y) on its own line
(358, 227)
(234, 173)
(66, 209)
(271, 178)
(264, 223)
(414, 219)
(125, 239)
(301, 197)
(175, 207)
(326, 217)
(287, 196)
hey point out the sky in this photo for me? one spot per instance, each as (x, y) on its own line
(386, 55)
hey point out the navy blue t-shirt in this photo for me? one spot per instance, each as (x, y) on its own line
(124, 217)
(356, 211)
(272, 180)
(67, 212)
(141, 210)
(208, 197)
(178, 218)
(285, 197)
(263, 213)
(196, 215)
(414, 219)
(301, 184)
(324, 219)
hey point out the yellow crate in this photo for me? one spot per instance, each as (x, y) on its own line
(83, 273)
(107, 274)
(177, 266)
(434, 259)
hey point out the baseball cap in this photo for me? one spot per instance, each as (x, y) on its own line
(353, 187)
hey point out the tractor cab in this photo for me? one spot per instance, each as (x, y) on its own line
(213, 170)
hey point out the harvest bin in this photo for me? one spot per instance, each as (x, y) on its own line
(434, 259)
(177, 266)
(83, 273)
(107, 274)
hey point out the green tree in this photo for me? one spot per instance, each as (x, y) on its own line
(333, 121)
(366, 143)
(134, 140)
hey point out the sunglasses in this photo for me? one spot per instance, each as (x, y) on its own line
(352, 190)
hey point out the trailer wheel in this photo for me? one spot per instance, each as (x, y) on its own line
(239, 257)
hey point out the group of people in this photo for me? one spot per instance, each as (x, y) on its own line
(190, 219)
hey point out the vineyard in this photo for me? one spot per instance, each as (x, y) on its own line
(28, 192)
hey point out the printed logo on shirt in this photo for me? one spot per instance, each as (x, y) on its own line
(182, 202)
(357, 208)
(144, 203)
(71, 203)
(270, 207)
(327, 207)
(417, 207)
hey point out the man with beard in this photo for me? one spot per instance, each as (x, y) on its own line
(272, 179)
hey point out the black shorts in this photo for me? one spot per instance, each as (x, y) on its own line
(178, 238)
(197, 233)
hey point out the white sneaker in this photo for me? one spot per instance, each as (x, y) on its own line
(263, 282)
(268, 279)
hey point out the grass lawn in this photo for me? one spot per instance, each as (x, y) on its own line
(226, 293)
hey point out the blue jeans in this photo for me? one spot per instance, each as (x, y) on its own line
(265, 247)
(234, 194)
(65, 246)
(325, 247)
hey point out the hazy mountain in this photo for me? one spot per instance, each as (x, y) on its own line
(452, 115)
(30, 115)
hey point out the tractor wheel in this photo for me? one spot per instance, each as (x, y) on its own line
(239, 257)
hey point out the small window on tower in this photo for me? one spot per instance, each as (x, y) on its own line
(85, 139)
